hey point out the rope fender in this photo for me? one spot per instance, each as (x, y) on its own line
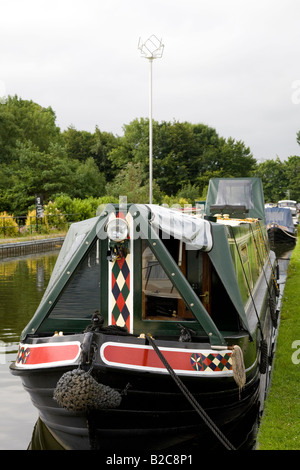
(78, 391)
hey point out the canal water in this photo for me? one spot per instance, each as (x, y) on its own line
(22, 284)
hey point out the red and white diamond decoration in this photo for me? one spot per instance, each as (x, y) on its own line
(120, 282)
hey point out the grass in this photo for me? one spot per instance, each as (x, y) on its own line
(280, 425)
(34, 236)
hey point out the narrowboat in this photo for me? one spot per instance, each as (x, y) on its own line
(157, 329)
(280, 226)
(292, 205)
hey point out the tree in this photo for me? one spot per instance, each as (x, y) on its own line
(174, 158)
(88, 180)
(292, 170)
(133, 146)
(178, 150)
(191, 192)
(33, 172)
(35, 157)
(9, 133)
(226, 159)
(83, 145)
(104, 143)
(78, 144)
(50, 173)
(274, 179)
(30, 122)
(130, 182)
(230, 157)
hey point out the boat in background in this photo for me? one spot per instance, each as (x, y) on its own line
(157, 329)
(292, 205)
(280, 226)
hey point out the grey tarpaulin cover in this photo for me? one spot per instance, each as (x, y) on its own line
(281, 216)
(192, 230)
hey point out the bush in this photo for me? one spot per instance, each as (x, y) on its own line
(8, 225)
(32, 224)
(80, 209)
(191, 192)
(172, 201)
(53, 217)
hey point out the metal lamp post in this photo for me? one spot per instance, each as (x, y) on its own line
(151, 49)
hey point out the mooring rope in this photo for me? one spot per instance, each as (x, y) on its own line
(207, 420)
(284, 231)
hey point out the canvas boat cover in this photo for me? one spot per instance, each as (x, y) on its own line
(192, 230)
(280, 216)
(74, 239)
(243, 192)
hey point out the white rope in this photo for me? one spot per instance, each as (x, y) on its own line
(288, 234)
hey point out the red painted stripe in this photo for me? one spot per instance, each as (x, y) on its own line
(52, 353)
(147, 357)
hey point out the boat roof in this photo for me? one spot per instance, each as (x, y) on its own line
(240, 197)
(288, 201)
(281, 216)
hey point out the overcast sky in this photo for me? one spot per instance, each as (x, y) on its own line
(231, 64)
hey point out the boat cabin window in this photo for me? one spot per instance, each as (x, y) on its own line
(161, 300)
(80, 297)
(229, 192)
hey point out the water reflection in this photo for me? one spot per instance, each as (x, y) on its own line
(22, 284)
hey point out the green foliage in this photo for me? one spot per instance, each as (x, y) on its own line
(50, 173)
(34, 225)
(23, 120)
(190, 192)
(79, 209)
(78, 144)
(88, 181)
(275, 182)
(131, 182)
(8, 225)
(175, 201)
(193, 151)
(105, 142)
(228, 159)
(292, 166)
(281, 180)
(176, 155)
(83, 145)
(9, 133)
(133, 146)
(53, 217)
(37, 158)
